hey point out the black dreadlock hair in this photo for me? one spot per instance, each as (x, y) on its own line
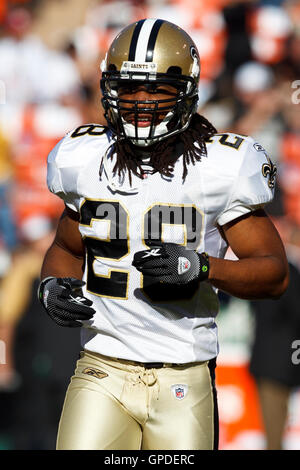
(162, 156)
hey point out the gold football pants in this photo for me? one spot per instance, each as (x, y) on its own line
(113, 404)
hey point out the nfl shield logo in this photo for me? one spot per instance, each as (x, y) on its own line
(179, 391)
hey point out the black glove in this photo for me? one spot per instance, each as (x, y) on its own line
(63, 301)
(172, 264)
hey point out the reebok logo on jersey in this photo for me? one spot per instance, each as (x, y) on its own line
(95, 372)
(183, 265)
(258, 147)
(153, 252)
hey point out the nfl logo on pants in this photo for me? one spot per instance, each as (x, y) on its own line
(179, 391)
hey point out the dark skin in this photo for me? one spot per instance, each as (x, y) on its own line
(261, 270)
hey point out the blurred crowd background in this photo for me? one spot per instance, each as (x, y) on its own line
(50, 53)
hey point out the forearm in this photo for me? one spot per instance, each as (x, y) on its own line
(59, 262)
(249, 278)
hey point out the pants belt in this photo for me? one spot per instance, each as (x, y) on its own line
(157, 365)
(153, 365)
(146, 365)
(150, 365)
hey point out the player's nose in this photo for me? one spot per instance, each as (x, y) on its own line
(143, 95)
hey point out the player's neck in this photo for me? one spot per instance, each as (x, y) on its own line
(143, 153)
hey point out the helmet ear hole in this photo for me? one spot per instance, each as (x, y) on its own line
(174, 69)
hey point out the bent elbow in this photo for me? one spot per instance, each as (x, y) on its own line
(280, 287)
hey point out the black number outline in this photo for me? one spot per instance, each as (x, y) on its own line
(223, 140)
(89, 129)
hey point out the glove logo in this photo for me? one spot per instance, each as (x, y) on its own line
(183, 265)
(45, 297)
(64, 302)
(77, 299)
(153, 252)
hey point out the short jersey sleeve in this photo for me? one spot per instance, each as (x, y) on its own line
(61, 176)
(71, 160)
(254, 184)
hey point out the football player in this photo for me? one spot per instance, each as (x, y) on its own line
(152, 201)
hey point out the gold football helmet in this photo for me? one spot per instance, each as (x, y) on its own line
(151, 53)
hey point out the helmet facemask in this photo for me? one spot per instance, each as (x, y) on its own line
(176, 110)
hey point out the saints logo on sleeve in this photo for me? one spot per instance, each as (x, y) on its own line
(269, 170)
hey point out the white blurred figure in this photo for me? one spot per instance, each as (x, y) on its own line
(108, 17)
(271, 26)
(170, 11)
(204, 22)
(260, 102)
(30, 71)
(253, 77)
(39, 82)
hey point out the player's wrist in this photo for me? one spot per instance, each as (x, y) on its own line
(41, 287)
(204, 266)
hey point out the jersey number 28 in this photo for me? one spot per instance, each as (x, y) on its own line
(115, 245)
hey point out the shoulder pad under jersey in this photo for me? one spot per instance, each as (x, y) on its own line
(250, 171)
(71, 154)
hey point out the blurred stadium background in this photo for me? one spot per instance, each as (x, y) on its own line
(50, 53)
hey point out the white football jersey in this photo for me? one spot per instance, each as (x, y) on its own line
(134, 319)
